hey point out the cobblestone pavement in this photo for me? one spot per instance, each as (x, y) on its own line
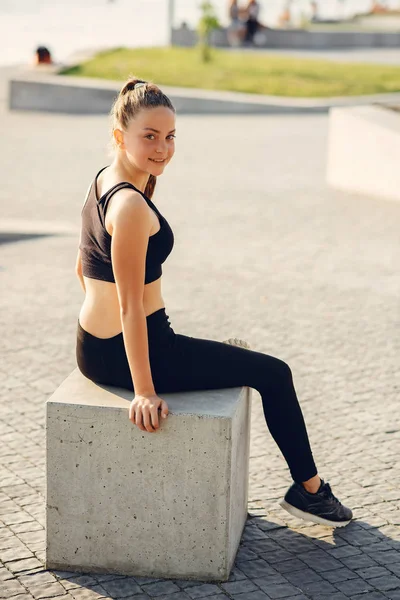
(264, 251)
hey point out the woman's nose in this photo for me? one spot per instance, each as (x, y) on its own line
(161, 146)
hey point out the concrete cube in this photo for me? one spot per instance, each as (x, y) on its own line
(170, 504)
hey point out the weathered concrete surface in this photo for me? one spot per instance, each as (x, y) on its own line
(168, 505)
(314, 281)
(363, 151)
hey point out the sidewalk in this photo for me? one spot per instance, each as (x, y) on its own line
(264, 251)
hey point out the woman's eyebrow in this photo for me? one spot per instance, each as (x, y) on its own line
(156, 130)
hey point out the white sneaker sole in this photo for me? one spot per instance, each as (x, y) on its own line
(296, 512)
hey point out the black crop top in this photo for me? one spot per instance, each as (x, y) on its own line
(95, 244)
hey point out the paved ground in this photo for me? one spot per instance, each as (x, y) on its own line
(264, 251)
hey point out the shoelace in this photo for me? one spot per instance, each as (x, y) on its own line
(327, 493)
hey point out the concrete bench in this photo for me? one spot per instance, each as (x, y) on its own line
(169, 504)
(363, 151)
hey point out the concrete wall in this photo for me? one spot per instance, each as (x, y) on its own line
(300, 39)
(364, 151)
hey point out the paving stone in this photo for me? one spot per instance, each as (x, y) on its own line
(46, 590)
(92, 593)
(79, 581)
(142, 580)
(161, 587)
(18, 566)
(319, 561)
(256, 568)
(370, 572)
(394, 568)
(353, 586)
(343, 551)
(369, 596)
(121, 587)
(36, 578)
(236, 574)
(317, 588)
(10, 588)
(276, 556)
(359, 561)
(17, 553)
(256, 595)
(386, 582)
(387, 558)
(265, 583)
(332, 596)
(174, 596)
(200, 591)
(294, 564)
(238, 587)
(281, 590)
(299, 578)
(340, 575)
(244, 554)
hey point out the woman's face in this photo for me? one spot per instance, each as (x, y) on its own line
(149, 140)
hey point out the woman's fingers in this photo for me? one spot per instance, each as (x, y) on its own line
(147, 416)
(137, 419)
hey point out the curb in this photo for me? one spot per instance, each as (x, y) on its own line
(51, 92)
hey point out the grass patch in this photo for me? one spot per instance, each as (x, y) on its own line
(242, 72)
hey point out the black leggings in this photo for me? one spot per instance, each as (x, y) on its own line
(183, 363)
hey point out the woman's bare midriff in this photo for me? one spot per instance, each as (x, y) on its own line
(100, 312)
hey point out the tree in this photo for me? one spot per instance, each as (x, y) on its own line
(208, 22)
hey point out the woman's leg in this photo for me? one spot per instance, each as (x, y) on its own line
(195, 364)
(184, 363)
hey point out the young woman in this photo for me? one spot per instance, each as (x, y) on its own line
(124, 336)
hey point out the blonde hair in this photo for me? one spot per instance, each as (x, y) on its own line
(129, 103)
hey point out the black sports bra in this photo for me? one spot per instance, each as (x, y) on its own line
(95, 242)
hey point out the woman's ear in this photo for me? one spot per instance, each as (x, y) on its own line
(119, 138)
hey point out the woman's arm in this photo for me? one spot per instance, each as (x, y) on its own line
(130, 220)
(78, 270)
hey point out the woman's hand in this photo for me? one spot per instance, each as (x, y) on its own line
(143, 411)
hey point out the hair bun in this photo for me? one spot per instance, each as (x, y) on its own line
(130, 85)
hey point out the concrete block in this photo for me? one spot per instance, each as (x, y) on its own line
(170, 504)
(363, 151)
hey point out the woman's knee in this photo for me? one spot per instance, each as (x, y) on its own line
(280, 371)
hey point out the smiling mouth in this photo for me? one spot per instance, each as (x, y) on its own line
(158, 160)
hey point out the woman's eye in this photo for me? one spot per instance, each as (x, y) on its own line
(172, 136)
(150, 136)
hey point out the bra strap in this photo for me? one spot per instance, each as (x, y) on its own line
(106, 199)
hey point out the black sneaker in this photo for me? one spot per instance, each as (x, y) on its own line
(322, 507)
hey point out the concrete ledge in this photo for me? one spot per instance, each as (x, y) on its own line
(79, 95)
(170, 504)
(364, 150)
(299, 39)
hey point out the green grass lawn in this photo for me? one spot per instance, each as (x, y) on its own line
(242, 72)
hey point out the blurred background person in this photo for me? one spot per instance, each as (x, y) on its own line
(252, 22)
(237, 27)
